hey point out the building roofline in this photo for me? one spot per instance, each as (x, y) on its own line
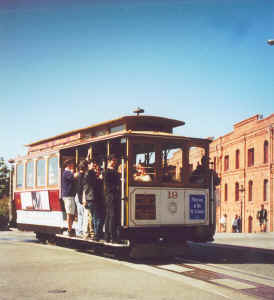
(246, 121)
(236, 126)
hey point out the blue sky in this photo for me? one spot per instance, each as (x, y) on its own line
(69, 64)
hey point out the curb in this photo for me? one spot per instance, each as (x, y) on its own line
(236, 247)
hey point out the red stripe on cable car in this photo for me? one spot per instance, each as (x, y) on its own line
(54, 201)
(17, 199)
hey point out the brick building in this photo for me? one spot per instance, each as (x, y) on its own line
(244, 159)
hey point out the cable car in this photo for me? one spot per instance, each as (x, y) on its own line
(167, 187)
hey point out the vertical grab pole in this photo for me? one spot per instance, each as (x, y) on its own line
(108, 149)
(122, 192)
(90, 153)
(108, 155)
(76, 159)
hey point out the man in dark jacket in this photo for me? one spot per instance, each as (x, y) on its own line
(112, 196)
(91, 198)
(68, 193)
(100, 203)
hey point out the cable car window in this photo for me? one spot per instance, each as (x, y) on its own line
(29, 174)
(19, 175)
(117, 128)
(53, 171)
(144, 167)
(40, 169)
(171, 163)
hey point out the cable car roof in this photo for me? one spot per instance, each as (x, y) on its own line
(139, 123)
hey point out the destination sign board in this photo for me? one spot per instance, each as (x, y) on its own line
(197, 207)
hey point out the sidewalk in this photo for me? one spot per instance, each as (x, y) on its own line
(262, 240)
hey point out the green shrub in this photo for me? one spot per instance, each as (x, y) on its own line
(4, 206)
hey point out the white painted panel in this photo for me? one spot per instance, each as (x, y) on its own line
(41, 200)
(26, 200)
(172, 206)
(46, 218)
(35, 200)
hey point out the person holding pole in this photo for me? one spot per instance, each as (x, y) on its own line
(68, 193)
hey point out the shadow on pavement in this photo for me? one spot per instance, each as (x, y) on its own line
(202, 253)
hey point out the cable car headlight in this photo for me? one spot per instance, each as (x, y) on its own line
(172, 207)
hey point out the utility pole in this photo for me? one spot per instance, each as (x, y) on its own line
(12, 211)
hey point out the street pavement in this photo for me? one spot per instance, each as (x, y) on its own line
(32, 271)
(219, 270)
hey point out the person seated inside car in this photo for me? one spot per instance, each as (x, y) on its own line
(200, 174)
(141, 174)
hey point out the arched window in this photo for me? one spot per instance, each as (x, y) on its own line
(265, 196)
(226, 162)
(237, 159)
(265, 152)
(250, 188)
(226, 192)
(237, 191)
(250, 157)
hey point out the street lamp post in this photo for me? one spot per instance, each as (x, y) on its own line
(241, 190)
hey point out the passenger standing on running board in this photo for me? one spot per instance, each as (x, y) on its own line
(87, 196)
(90, 190)
(79, 200)
(68, 193)
(112, 195)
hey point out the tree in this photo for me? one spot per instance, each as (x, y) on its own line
(4, 179)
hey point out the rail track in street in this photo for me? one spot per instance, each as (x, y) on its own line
(238, 281)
